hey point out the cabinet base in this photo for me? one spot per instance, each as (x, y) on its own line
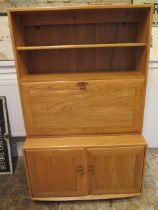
(54, 164)
(88, 197)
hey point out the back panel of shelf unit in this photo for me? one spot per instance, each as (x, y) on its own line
(81, 34)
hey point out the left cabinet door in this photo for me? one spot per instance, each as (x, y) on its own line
(56, 172)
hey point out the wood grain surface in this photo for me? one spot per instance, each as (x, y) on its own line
(64, 108)
(82, 73)
(60, 167)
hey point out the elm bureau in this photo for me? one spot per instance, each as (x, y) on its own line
(82, 73)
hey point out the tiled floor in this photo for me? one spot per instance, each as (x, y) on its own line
(14, 193)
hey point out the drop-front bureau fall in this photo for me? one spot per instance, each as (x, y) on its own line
(82, 73)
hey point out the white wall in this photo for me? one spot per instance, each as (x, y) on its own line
(150, 128)
(9, 88)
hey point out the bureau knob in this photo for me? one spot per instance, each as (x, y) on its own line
(80, 170)
(91, 170)
(82, 85)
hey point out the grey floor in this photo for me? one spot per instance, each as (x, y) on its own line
(14, 193)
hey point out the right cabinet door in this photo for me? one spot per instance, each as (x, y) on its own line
(115, 170)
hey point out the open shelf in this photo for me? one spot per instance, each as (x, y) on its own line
(81, 76)
(80, 27)
(82, 60)
(24, 48)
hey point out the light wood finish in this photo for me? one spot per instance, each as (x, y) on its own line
(70, 108)
(80, 46)
(94, 141)
(97, 160)
(57, 172)
(115, 170)
(82, 73)
(88, 197)
(79, 7)
(81, 30)
(40, 77)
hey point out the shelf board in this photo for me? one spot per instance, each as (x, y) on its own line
(44, 77)
(81, 46)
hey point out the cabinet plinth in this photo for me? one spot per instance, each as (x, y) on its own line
(82, 75)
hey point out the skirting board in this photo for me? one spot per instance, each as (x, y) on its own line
(19, 148)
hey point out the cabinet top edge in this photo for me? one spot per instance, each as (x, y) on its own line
(79, 7)
(84, 142)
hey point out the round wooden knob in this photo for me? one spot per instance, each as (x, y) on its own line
(82, 85)
(91, 170)
(80, 170)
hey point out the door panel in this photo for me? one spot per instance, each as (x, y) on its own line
(56, 172)
(71, 107)
(115, 170)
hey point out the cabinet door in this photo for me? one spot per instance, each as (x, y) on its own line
(56, 172)
(115, 170)
(71, 107)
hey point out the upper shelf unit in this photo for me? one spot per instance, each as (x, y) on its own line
(90, 25)
(85, 39)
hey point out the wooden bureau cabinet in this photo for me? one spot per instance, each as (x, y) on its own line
(82, 75)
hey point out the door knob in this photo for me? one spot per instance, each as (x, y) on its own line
(82, 85)
(80, 170)
(91, 170)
